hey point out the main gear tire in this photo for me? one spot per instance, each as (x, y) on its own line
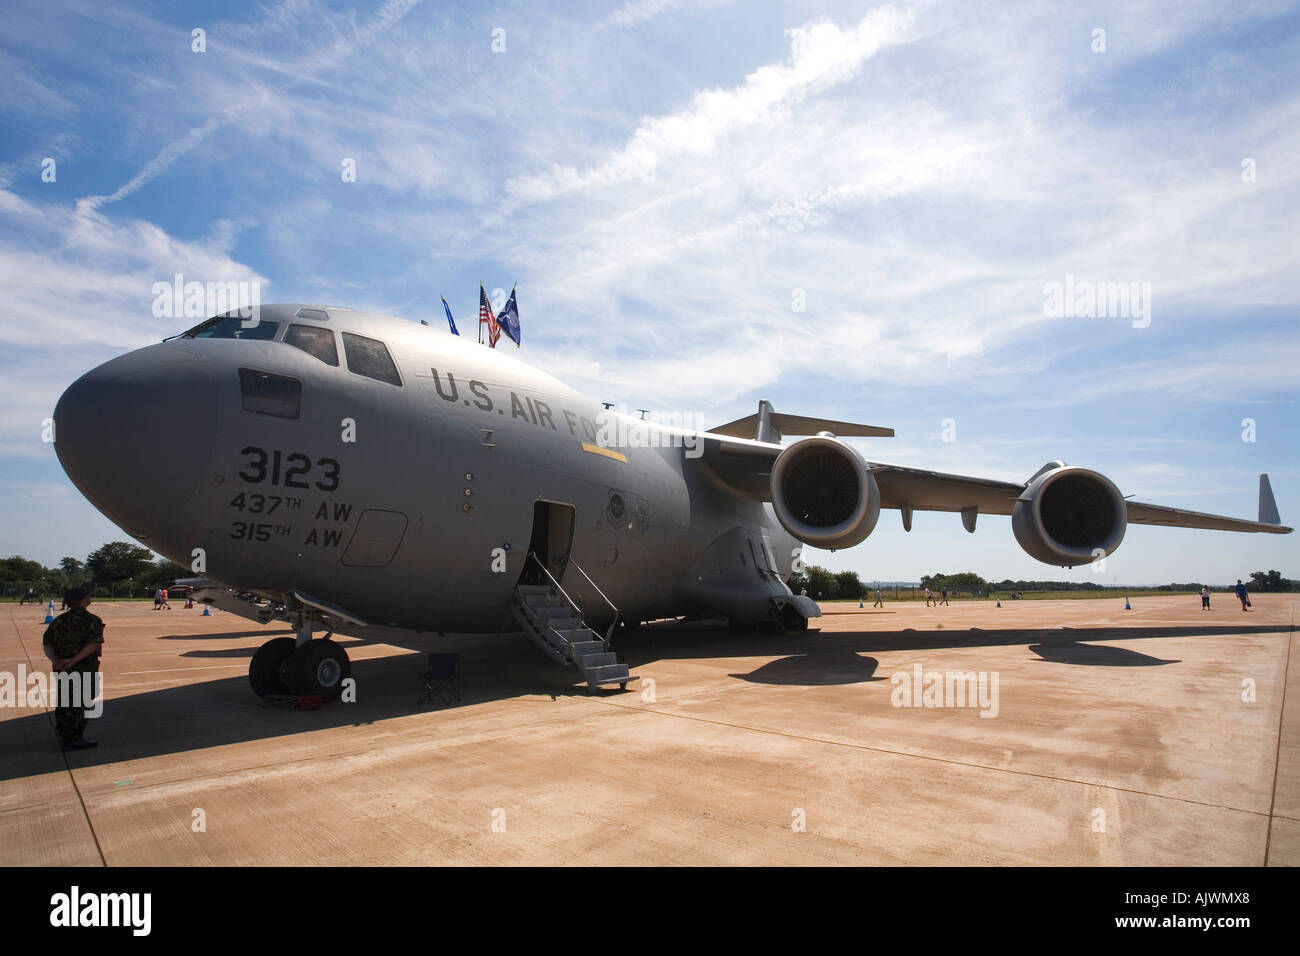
(267, 671)
(320, 668)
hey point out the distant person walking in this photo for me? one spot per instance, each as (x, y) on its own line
(879, 601)
(1205, 598)
(163, 592)
(1242, 596)
(157, 599)
(929, 596)
(189, 597)
(945, 597)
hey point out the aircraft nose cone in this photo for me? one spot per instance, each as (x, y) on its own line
(134, 435)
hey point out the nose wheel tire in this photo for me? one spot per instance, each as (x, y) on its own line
(267, 669)
(792, 620)
(318, 667)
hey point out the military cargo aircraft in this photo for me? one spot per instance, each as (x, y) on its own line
(351, 467)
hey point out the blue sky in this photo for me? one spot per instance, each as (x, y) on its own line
(668, 182)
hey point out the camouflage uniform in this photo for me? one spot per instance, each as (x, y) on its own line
(70, 632)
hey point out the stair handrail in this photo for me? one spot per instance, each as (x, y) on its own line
(568, 600)
(612, 624)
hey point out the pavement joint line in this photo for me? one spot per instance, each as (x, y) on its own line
(1281, 724)
(72, 778)
(947, 760)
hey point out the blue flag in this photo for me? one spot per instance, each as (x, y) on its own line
(509, 319)
(450, 320)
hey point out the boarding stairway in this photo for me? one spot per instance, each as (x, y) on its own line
(556, 624)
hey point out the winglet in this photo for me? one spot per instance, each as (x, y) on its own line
(1267, 505)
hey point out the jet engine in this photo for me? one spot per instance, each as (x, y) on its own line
(824, 494)
(1069, 516)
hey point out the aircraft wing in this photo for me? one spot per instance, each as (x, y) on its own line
(935, 491)
(746, 465)
(1139, 513)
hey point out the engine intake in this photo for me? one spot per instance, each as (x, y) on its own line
(1070, 516)
(823, 493)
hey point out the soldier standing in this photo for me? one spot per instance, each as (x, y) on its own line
(73, 643)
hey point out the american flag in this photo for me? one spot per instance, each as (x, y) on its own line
(485, 316)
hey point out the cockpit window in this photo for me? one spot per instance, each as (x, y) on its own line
(234, 327)
(369, 357)
(314, 341)
(268, 394)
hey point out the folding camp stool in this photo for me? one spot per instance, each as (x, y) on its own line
(442, 679)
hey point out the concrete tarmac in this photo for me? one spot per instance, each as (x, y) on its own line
(1156, 736)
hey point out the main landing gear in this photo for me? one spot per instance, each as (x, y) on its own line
(285, 666)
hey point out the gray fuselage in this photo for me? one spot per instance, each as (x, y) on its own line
(407, 502)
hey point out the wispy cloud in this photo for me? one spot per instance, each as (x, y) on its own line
(638, 11)
(822, 54)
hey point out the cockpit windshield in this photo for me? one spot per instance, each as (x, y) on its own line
(234, 327)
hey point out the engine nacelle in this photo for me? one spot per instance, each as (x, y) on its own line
(1067, 515)
(824, 494)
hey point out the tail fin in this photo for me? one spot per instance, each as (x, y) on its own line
(1267, 505)
(769, 425)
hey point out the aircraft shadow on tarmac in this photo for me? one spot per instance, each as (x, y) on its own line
(213, 713)
(1071, 652)
(201, 636)
(668, 641)
(349, 641)
(818, 668)
(247, 653)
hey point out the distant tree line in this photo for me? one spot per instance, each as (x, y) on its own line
(1259, 581)
(825, 585)
(1271, 581)
(965, 581)
(118, 569)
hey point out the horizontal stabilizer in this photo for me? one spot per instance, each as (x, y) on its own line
(770, 426)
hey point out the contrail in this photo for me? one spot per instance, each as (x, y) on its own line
(166, 156)
(392, 12)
